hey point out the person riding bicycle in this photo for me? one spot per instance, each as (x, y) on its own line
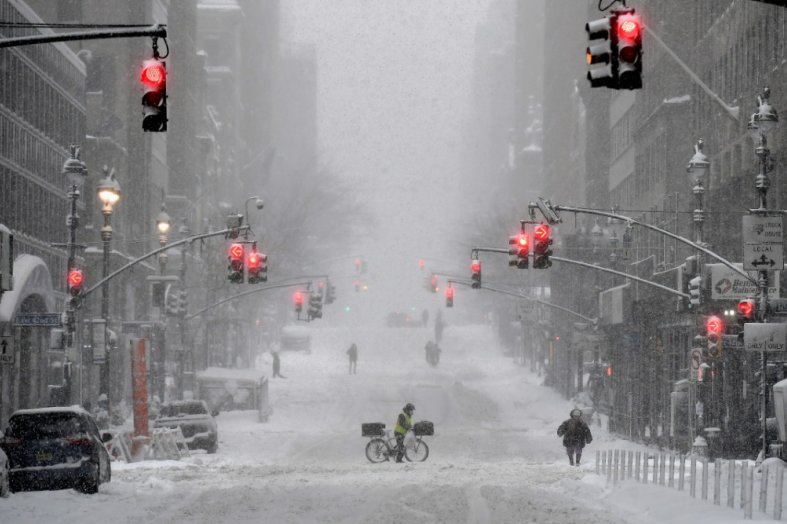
(403, 424)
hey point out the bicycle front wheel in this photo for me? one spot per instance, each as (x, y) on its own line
(377, 450)
(416, 451)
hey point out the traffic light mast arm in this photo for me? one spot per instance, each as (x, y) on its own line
(622, 274)
(155, 252)
(487, 250)
(277, 285)
(158, 30)
(733, 111)
(526, 297)
(679, 238)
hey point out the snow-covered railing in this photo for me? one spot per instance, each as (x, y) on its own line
(736, 479)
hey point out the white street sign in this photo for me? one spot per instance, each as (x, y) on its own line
(6, 349)
(770, 338)
(759, 257)
(726, 284)
(763, 229)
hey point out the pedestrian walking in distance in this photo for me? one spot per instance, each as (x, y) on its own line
(353, 354)
(576, 434)
(277, 365)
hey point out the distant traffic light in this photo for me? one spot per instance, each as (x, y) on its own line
(747, 311)
(519, 250)
(629, 51)
(475, 268)
(76, 283)
(236, 255)
(714, 327)
(421, 264)
(297, 298)
(601, 52)
(254, 267)
(330, 293)
(315, 306)
(449, 296)
(154, 99)
(541, 249)
(433, 283)
(695, 291)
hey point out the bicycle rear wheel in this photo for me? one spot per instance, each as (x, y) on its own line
(416, 451)
(377, 450)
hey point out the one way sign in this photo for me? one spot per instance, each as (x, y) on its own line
(6, 349)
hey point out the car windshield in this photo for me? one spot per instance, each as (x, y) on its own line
(192, 408)
(45, 425)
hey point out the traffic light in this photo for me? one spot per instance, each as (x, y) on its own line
(695, 291)
(315, 306)
(330, 293)
(172, 302)
(601, 52)
(475, 267)
(154, 99)
(76, 285)
(518, 249)
(183, 302)
(747, 311)
(541, 249)
(256, 267)
(421, 264)
(714, 327)
(629, 51)
(236, 255)
(298, 300)
(433, 283)
(449, 297)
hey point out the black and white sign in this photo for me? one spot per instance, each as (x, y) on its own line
(38, 319)
(770, 338)
(763, 229)
(760, 257)
(696, 358)
(6, 349)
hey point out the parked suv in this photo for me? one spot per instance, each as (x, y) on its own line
(194, 420)
(55, 448)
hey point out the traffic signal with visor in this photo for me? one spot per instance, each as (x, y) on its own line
(714, 327)
(695, 291)
(541, 249)
(519, 250)
(475, 277)
(256, 267)
(629, 51)
(449, 297)
(154, 98)
(236, 256)
(297, 298)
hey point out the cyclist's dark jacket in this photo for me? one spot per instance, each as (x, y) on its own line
(403, 423)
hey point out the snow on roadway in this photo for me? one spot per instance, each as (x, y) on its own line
(494, 458)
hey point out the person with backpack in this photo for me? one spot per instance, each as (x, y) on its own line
(576, 434)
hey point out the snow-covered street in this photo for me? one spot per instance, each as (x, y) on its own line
(494, 456)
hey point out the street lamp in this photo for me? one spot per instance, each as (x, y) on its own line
(762, 123)
(698, 167)
(108, 192)
(163, 224)
(75, 172)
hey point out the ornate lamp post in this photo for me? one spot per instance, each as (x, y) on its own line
(108, 192)
(75, 172)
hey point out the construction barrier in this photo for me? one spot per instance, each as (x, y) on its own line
(163, 444)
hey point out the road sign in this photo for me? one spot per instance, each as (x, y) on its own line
(696, 358)
(38, 320)
(759, 229)
(760, 257)
(6, 349)
(770, 338)
(778, 306)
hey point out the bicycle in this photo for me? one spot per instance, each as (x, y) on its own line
(382, 446)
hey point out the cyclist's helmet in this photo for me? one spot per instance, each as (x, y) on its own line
(409, 408)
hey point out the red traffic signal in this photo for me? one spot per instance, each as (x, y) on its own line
(154, 100)
(519, 249)
(747, 308)
(257, 269)
(475, 267)
(76, 281)
(541, 250)
(253, 261)
(541, 233)
(433, 283)
(236, 256)
(629, 51)
(421, 263)
(298, 299)
(449, 297)
(714, 325)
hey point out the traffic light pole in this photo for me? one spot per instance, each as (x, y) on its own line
(679, 238)
(277, 285)
(155, 252)
(158, 30)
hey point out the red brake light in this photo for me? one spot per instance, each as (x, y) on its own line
(11, 441)
(79, 441)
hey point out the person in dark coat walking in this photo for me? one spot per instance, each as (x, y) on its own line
(576, 434)
(353, 354)
(277, 365)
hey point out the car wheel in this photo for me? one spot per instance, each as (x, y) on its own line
(5, 483)
(89, 483)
